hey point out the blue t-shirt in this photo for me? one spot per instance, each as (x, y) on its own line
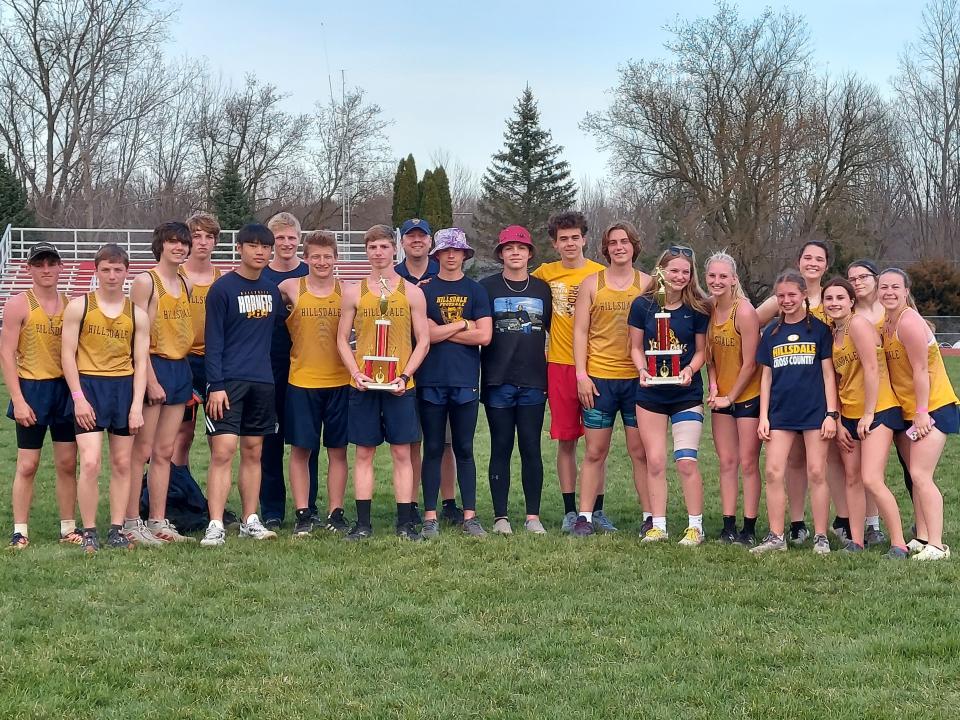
(794, 352)
(241, 314)
(281, 345)
(449, 364)
(433, 267)
(685, 324)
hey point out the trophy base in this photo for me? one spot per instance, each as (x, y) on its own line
(669, 380)
(381, 386)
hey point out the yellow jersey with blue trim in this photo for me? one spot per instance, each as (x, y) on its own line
(726, 355)
(105, 345)
(399, 333)
(312, 322)
(901, 375)
(608, 341)
(198, 311)
(171, 334)
(850, 375)
(38, 347)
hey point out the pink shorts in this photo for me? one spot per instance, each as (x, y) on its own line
(566, 418)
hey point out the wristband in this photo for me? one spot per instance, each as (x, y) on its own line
(582, 376)
(405, 378)
(77, 394)
(923, 410)
(466, 324)
(713, 387)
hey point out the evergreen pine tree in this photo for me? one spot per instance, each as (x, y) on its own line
(431, 207)
(397, 182)
(14, 205)
(527, 180)
(230, 200)
(406, 193)
(446, 202)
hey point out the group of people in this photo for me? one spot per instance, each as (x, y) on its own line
(279, 351)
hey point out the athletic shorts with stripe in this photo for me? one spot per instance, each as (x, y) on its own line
(252, 410)
(615, 396)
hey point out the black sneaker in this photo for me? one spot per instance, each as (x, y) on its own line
(91, 542)
(728, 536)
(337, 523)
(451, 514)
(799, 535)
(408, 531)
(118, 541)
(304, 524)
(230, 519)
(746, 538)
(582, 527)
(272, 524)
(646, 525)
(415, 516)
(358, 532)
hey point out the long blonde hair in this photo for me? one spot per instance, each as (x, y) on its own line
(724, 257)
(692, 295)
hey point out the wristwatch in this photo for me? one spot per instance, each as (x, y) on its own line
(405, 378)
(832, 414)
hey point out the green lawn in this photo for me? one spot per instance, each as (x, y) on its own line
(520, 627)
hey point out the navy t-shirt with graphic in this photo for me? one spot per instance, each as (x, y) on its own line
(685, 324)
(793, 352)
(449, 364)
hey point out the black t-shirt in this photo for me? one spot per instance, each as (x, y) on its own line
(685, 324)
(794, 353)
(450, 364)
(521, 320)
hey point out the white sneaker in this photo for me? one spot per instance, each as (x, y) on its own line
(137, 533)
(166, 531)
(930, 552)
(214, 537)
(691, 537)
(253, 528)
(915, 546)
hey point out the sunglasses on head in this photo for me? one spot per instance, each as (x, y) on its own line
(680, 250)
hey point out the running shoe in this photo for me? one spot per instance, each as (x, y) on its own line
(214, 536)
(166, 531)
(451, 514)
(408, 531)
(473, 528)
(915, 545)
(337, 523)
(18, 541)
(821, 546)
(501, 526)
(270, 524)
(139, 535)
(582, 527)
(931, 552)
(91, 543)
(840, 533)
(118, 541)
(603, 524)
(771, 543)
(415, 517)
(303, 525)
(74, 537)
(873, 536)
(655, 534)
(255, 529)
(728, 536)
(431, 529)
(691, 537)
(646, 525)
(897, 553)
(358, 532)
(799, 535)
(568, 522)
(533, 525)
(851, 547)
(746, 538)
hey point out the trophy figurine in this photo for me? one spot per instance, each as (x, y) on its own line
(663, 355)
(381, 367)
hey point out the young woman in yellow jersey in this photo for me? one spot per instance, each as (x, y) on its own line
(813, 259)
(734, 396)
(927, 398)
(869, 414)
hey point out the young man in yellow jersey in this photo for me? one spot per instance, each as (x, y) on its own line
(104, 352)
(200, 271)
(378, 415)
(606, 375)
(39, 397)
(568, 232)
(317, 392)
(164, 294)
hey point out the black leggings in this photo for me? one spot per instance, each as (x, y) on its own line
(527, 422)
(463, 426)
(907, 480)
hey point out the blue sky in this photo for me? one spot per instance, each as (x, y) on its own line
(448, 74)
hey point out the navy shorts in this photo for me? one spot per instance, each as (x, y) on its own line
(375, 416)
(891, 418)
(252, 410)
(447, 395)
(746, 409)
(198, 368)
(111, 398)
(669, 409)
(615, 396)
(508, 396)
(51, 403)
(947, 419)
(309, 411)
(174, 377)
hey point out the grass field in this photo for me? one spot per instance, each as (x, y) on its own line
(519, 627)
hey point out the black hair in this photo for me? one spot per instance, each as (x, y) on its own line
(566, 220)
(816, 243)
(868, 265)
(792, 276)
(255, 234)
(168, 232)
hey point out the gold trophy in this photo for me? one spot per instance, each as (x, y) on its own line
(381, 367)
(663, 355)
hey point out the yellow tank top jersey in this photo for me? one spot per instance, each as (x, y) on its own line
(399, 340)
(38, 349)
(171, 334)
(726, 353)
(901, 376)
(608, 342)
(312, 322)
(850, 383)
(198, 312)
(819, 313)
(564, 286)
(105, 347)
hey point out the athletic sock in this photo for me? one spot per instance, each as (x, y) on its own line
(598, 504)
(797, 525)
(403, 513)
(67, 526)
(749, 524)
(872, 521)
(90, 530)
(452, 502)
(587, 515)
(730, 523)
(647, 516)
(21, 528)
(216, 524)
(363, 512)
(660, 523)
(569, 503)
(115, 527)
(840, 522)
(695, 521)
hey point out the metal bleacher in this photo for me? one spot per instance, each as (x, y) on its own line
(78, 246)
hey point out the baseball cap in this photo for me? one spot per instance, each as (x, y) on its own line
(41, 249)
(451, 239)
(514, 234)
(415, 224)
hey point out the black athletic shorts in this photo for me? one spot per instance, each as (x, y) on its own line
(252, 410)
